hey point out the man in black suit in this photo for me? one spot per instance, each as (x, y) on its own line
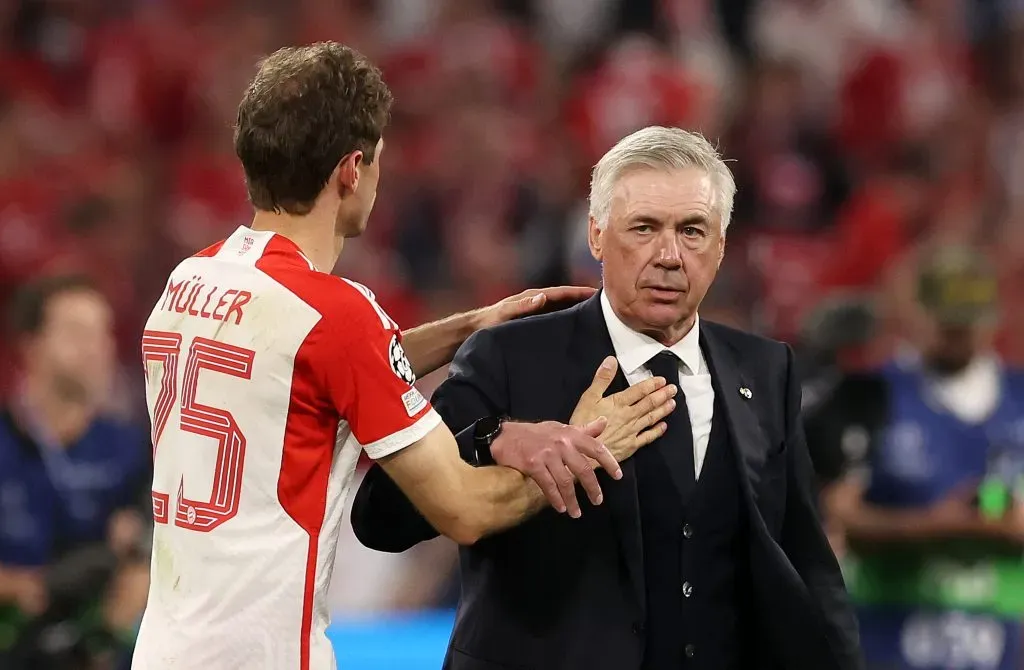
(709, 552)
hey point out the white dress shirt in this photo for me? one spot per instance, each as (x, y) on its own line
(633, 350)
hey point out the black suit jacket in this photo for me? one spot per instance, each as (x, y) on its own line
(561, 593)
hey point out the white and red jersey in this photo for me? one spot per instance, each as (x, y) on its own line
(264, 379)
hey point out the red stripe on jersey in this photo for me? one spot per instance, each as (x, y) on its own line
(347, 368)
(209, 251)
(310, 433)
(311, 428)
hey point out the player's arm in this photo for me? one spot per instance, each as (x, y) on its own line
(433, 345)
(467, 503)
(366, 376)
(384, 518)
(954, 516)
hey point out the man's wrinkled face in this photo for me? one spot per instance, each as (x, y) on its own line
(661, 248)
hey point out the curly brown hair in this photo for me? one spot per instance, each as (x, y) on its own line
(307, 108)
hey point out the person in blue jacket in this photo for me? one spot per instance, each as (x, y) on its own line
(73, 486)
(934, 515)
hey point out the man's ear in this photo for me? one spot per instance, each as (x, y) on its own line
(595, 239)
(346, 174)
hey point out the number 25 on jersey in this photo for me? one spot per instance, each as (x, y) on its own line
(214, 423)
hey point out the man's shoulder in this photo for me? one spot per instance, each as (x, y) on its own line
(743, 341)
(333, 297)
(341, 303)
(523, 332)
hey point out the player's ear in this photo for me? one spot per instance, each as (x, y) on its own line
(347, 173)
(594, 239)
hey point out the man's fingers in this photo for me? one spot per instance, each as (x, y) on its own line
(607, 461)
(637, 392)
(653, 402)
(654, 415)
(534, 299)
(566, 485)
(651, 434)
(547, 485)
(602, 379)
(592, 448)
(595, 427)
(579, 466)
(568, 293)
(526, 305)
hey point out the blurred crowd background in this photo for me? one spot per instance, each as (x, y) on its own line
(862, 133)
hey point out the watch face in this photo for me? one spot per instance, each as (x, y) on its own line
(487, 427)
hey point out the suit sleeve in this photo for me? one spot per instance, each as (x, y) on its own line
(382, 517)
(804, 541)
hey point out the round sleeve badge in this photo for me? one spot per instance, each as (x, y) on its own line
(400, 364)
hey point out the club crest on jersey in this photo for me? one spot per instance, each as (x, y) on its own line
(399, 362)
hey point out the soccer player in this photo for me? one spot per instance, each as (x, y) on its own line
(267, 376)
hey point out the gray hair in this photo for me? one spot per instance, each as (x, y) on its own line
(661, 148)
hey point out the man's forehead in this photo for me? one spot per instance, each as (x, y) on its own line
(73, 305)
(686, 189)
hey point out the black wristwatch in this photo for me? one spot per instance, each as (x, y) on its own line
(485, 432)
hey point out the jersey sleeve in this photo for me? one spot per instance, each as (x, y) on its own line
(371, 380)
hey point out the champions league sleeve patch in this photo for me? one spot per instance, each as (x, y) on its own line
(400, 364)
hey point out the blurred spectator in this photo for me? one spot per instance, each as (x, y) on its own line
(843, 402)
(937, 504)
(73, 488)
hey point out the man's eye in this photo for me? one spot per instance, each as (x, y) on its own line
(643, 228)
(693, 231)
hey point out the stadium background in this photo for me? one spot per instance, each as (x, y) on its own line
(860, 130)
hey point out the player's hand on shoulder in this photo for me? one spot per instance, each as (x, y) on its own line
(634, 416)
(531, 301)
(555, 455)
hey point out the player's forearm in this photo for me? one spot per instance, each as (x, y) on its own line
(462, 502)
(498, 498)
(484, 501)
(432, 345)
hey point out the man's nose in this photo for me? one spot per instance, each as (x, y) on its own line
(669, 254)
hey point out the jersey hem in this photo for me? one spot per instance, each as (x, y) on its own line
(405, 437)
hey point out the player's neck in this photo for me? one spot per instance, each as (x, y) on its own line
(316, 238)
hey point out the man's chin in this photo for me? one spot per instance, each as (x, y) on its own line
(660, 315)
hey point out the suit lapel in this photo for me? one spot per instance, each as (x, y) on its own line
(590, 345)
(744, 427)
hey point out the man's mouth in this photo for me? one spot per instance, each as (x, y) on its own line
(665, 292)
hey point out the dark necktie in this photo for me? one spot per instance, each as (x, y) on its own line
(676, 445)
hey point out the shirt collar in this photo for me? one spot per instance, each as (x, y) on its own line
(634, 349)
